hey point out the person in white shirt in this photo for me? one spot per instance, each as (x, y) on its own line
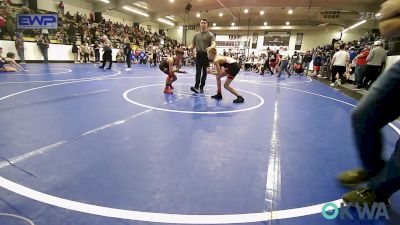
(339, 62)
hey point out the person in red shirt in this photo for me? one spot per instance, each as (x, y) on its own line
(361, 65)
(273, 61)
(61, 6)
(2, 26)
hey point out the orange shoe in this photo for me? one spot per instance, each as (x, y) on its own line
(168, 90)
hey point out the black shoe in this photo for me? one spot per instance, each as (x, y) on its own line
(364, 196)
(239, 99)
(217, 96)
(361, 86)
(109, 68)
(201, 91)
(195, 90)
(101, 67)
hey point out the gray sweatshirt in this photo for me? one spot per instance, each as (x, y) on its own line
(377, 56)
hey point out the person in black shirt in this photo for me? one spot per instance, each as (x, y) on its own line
(128, 54)
(75, 51)
(96, 48)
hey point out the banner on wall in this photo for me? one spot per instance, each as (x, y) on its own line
(276, 38)
(299, 41)
(227, 43)
(254, 40)
(37, 21)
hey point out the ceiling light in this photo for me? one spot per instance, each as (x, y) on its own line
(287, 23)
(172, 1)
(105, 1)
(198, 15)
(170, 17)
(354, 26)
(221, 14)
(265, 23)
(246, 11)
(232, 24)
(214, 24)
(131, 9)
(290, 11)
(141, 5)
(262, 12)
(162, 20)
(378, 15)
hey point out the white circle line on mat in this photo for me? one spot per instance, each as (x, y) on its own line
(66, 80)
(28, 221)
(125, 95)
(39, 74)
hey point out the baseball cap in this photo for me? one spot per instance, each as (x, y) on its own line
(377, 43)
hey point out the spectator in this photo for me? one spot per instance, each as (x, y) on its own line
(361, 66)
(128, 54)
(85, 50)
(11, 23)
(68, 15)
(266, 64)
(43, 43)
(284, 66)
(273, 61)
(306, 61)
(353, 55)
(96, 48)
(61, 7)
(107, 56)
(339, 63)
(91, 16)
(92, 56)
(75, 51)
(72, 33)
(2, 26)
(375, 61)
(19, 46)
(317, 62)
(376, 110)
(295, 59)
(142, 57)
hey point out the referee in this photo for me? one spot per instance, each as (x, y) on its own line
(107, 55)
(202, 41)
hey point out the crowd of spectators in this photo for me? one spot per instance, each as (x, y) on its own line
(360, 68)
(84, 33)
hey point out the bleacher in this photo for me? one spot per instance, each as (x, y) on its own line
(31, 35)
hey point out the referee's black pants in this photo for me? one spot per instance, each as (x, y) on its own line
(107, 56)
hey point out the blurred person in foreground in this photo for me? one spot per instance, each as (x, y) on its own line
(375, 110)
